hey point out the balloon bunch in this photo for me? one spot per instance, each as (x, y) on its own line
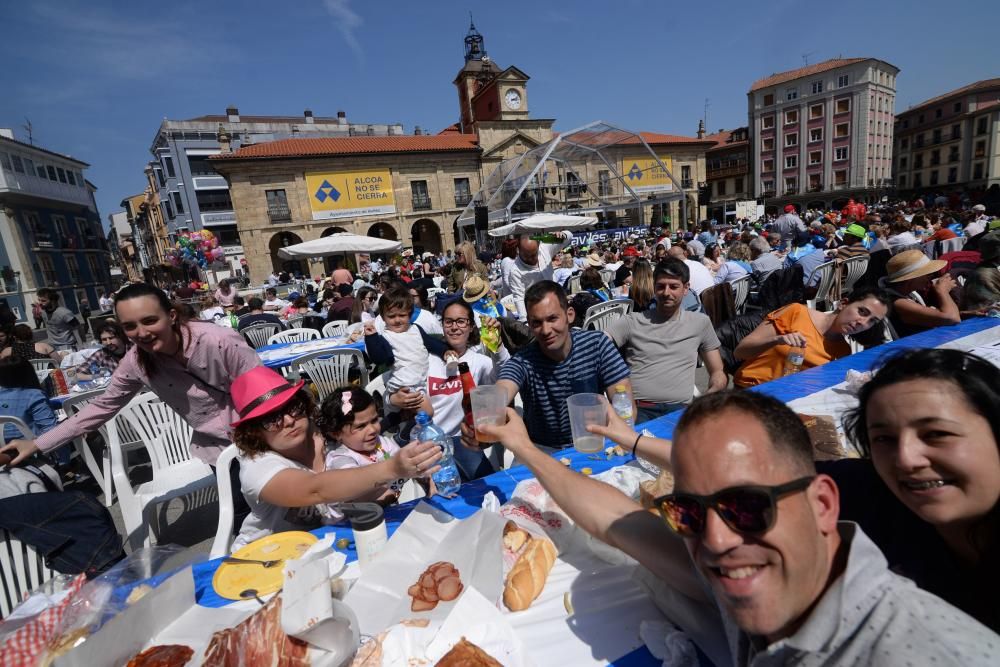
(197, 248)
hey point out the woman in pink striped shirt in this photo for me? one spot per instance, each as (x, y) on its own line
(189, 365)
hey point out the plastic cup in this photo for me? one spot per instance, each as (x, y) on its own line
(489, 408)
(586, 410)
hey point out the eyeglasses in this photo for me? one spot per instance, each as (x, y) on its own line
(745, 509)
(274, 421)
(460, 322)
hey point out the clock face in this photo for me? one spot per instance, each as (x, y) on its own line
(513, 99)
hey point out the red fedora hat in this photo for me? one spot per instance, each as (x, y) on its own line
(260, 391)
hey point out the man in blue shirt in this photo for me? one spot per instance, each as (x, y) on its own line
(560, 362)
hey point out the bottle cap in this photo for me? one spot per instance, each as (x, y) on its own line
(422, 418)
(620, 387)
(463, 367)
(363, 516)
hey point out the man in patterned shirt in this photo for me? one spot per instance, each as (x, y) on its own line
(559, 363)
(114, 344)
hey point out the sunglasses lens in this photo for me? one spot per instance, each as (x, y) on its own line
(685, 516)
(747, 511)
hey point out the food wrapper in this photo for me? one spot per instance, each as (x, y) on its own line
(490, 337)
(428, 535)
(473, 617)
(309, 611)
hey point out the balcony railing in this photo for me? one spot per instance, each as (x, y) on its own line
(791, 191)
(767, 193)
(687, 183)
(421, 203)
(462, 200)
(956, 135)
(816, 187)
(50, 278)
(42, 240)
(727, 170)
(841, 186)
(279, 214)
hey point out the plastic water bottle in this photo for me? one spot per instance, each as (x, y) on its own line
(622, 403)
(446, 479)
(793, 362)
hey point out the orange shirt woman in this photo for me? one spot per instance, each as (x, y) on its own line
(820, 334)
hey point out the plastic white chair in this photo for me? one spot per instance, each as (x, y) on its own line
(101, 474)
(167, 437)
(295, 322)
(573, 285)
(827, 280)
(257, 335)
(608, 276)
(224, 532)
(293, 336)
(852, 270)
(335, 328)
(43, 364)
(741, 292)
(601, 315)
(952, 245)
(22, 570)
(330, 369)
(18, 423)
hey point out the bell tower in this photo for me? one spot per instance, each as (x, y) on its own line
(478, 70)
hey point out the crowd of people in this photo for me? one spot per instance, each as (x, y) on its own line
(819, 578)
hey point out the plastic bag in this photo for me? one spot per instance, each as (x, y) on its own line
(70, 618)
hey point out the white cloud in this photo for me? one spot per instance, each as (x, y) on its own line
(347, 22)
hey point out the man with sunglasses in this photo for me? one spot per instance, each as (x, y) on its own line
(763, 565)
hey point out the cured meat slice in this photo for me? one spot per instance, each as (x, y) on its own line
(257, 641)
(168, 655)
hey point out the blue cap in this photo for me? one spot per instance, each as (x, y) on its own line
(819, 241)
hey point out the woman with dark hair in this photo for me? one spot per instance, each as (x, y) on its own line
(365, 308)
(929, 421)
(591, 281)
(21, 396)
(25, 346)
(190, 365)
(444, 389)
(6, 338)
(821, 336)
(282, 456)
(713, 259)
(114, 345)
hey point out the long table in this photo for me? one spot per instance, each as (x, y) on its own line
(811, 382)
(280, 355)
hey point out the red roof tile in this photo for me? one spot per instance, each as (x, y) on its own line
(657, 138)
(809, 70)
(964, 90)
(308, 147)
(451, 129)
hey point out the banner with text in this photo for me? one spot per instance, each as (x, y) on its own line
(644, 174)
(616, 235)
(350, 194)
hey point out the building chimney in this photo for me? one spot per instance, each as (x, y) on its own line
(6, 132)
(234, 114)
(309, 116)
(701, 129)
(341, 118)
(223, 138)
(417, 131)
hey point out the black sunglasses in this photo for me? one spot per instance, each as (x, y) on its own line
(745, 509)
(275, 420)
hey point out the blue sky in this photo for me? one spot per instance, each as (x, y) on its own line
(96, 77)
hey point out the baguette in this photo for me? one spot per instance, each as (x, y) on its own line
(514, 538)
(526, 579)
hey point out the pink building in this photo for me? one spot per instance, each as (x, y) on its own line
(823, 133)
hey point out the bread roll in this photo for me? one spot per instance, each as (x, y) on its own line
(513, 537)
(526, 579)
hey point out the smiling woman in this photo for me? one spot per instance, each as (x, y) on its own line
(930, 497)
(188, 365)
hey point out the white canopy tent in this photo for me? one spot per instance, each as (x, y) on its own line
(338, 244)
(545, 222)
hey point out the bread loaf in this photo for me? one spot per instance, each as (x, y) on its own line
(526, 579)
(513, 537)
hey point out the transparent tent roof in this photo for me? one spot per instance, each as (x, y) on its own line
(595, 168)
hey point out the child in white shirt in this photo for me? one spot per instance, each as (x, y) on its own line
(403, 345)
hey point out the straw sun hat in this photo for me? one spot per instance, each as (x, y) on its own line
(475, 288)
(911, 264)
(593, 259)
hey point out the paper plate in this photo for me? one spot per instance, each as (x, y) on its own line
(231, 579)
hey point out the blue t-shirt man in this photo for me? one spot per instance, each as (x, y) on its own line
(592, 366)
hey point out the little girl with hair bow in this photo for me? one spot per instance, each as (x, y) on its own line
(350, 422)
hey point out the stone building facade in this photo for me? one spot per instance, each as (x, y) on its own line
(279, 198)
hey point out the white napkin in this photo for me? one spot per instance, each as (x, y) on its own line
(309, 611)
